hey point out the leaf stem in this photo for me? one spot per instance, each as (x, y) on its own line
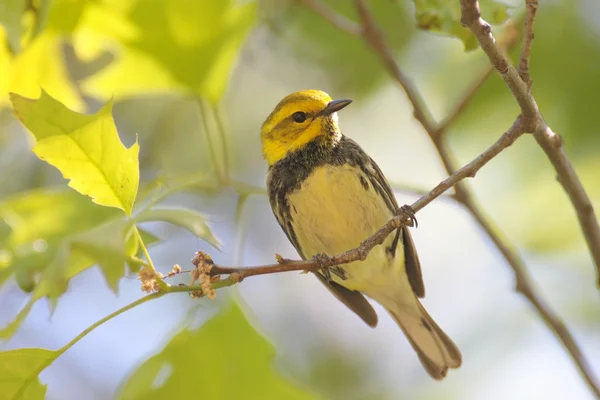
(162, 284)
(77, 338)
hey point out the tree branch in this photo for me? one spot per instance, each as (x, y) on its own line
(532, 6)
(549, 141)
(528, 122)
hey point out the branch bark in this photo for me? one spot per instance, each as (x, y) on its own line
(532, 6)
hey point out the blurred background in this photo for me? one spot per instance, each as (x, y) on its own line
(194, 80)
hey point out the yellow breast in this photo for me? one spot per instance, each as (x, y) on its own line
(334, 210)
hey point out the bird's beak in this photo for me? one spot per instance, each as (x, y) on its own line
(335, 105)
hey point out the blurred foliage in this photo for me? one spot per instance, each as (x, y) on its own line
(165, 66)
(444, 17)
(225, 359)
(170, 45)
(331, 372)
(340, 56)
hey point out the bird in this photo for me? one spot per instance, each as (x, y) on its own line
(328, 195)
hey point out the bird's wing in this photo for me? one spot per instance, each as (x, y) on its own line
(352, 299)
(413, 266)
(355, 301)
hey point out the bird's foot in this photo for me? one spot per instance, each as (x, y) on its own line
(327, 269)
(410, 213)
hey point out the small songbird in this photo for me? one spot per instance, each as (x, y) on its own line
(328, 196)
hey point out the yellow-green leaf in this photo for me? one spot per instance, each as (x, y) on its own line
(443, 16)
(38, 228)
(41, 62)
(186, 45)
(225, 359)
(184, 218)
(107, 246)
(19, 371)
(85, 148)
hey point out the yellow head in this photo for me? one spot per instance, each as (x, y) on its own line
(299, 119)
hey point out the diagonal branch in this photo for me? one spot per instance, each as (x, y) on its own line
(524, 283)
(532, 6)
(549, 141)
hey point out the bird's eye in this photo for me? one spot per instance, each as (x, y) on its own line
(299, 116)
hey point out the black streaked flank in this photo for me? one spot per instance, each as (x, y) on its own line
(364, 183)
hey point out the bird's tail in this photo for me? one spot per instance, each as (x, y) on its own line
(435, 349)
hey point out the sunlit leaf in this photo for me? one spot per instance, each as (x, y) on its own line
(225, 359)
(40, 63)
(85, 148)
(185, 45)
(443, 16)
(184, 218)
(18, 373)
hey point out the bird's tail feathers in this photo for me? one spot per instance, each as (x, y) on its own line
(435, 349)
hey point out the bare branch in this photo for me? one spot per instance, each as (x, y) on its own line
(552, 145)
(529, 122)
(532, 6)
(416, 190)
(471, 18)
(549, 141)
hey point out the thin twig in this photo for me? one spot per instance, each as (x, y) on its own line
(549, 141)
(415, 190)
(472, 18)
(532, 6)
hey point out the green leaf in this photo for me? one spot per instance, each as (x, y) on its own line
(107, 246)
(85, 148)
(225, 359)
(11, 12)
(185, 45)
(443, 16)
(19, 371)
(38, 248)
(184, 218)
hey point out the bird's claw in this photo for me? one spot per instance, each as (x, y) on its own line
(327, 269)
(410, 213)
